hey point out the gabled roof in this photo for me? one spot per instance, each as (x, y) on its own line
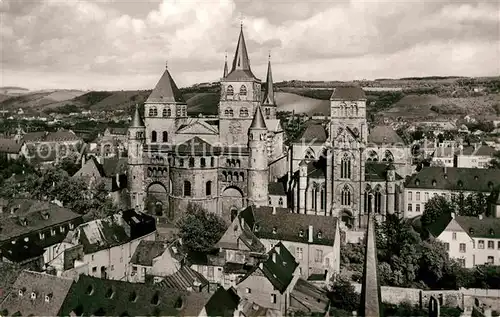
(273, 125)
(281, 224)
(258, 121)
(146, 251)
(239, 236)
(49, 294)
(308, 297)
(481, 150)
(240, 70)
(455, 178)
(95, 296)
(62, 135)
(10, 146)
(184, 279)
(488, 228)
(166, 91)
(34, 136)
(195, 146)
(222, 302)
(382, 134)
(280, 272)
(348, 93)
(377, 172)
(314, 132)
(197, 127)
(269, 89)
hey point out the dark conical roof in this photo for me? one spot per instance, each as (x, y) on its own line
(137, 120)
(241, 63)
(269, 89)
(370, 288)
(258, 121)
(166, 90)
(224, 75)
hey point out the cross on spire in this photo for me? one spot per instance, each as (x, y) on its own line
(166, 63)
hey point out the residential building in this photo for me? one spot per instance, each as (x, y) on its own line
(444, 156)
(277, 195)
(12, 149)
(30, 229)
(36, 294)
(104, 247)
(471, 240)
(10, 273)
(476, 156)
(222, 303)
(313, 240)
(214, 268)
(185, 279)
(431, 181)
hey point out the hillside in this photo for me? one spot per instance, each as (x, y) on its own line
(37, 100)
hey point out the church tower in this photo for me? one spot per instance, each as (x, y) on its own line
(257, 161)
(224, 74)
(268, 102)
(348, 136)
(135, 172)
(240, 97)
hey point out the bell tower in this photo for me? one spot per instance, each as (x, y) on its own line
(135, 172)
(257, 161)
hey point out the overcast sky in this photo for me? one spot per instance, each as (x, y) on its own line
(124, 44)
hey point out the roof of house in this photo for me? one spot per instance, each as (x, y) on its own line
(166, 91)
(455, 178)
(31, 216)
(34, 136)
(281, 224)
(439, 224)
(101, 297)
(222, 302)
(10, 273)
(279, 267)
(117, 131)
(62, 135)
(481, 150)
(313, 132)
(444, 152)
(10, 146)
(348, 93)
(239, 236)
(22, 252)
(184, 279)
(137, 121)
(251, 309)
(480, 228)
(308, 297)
(146, 251)
(276, 188)
(98, 235)
(377, 172)
(42, 294)
(383, 134)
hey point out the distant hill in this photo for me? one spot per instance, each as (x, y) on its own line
(36, 100)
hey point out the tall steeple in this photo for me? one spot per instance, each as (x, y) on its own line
(225, 67)
(269, 89)
(166, 90)
(258, 121)
(370, 289)
(241, 60)
(137, 121)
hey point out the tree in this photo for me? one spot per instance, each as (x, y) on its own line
(199, 229)
(434, 208)
(343, 295)
(495, 161)
(69, 164)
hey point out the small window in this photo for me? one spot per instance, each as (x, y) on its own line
(230, 90)
(491, 245)
(156, 299)
(153, 112)
(274, 230)
(320, 235)
(273, 298)
(153, 136)
(94, 269)
(208, 188)
(491, 260)
(212, 162)
(243, 90)
(244, 112)
(480, 244)
(447, 246)
(434, 183)
(109, 293)
(280, 202)
(462, 247)
(454, 235)
(187, 188)
(191, 162)
(165, 136)
(89, 290)
(248, 290)
(133, 296)
(301, 233)
(181, 162)
(203, 162)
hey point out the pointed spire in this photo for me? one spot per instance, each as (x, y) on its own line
(269, 89)
(370, 289)
(225, 67)
(258, 121)
(166, 90)
(137, 120)
(241, 60)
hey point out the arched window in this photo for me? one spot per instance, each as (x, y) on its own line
(169, 112)
(191, 162)
(187, 189)
(309, 154)
(345, 166)
(323, 198)
(243, 90)
(345, 199)
(208, 188)
(165, 136)
(181, 162)
(378, 201)
(153, 112)
(230, 90)
(153, 136)
(388, 157)
(212, 162)
(242, 176)
(280, 202)
(238, 163)
(228, 112)
(224, 176)
(164, 113)
(236, 177)
(315, 197)
(372, 156)
(231, 113)
(203, 162)
(243, 112)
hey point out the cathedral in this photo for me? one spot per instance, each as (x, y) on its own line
(338, 167)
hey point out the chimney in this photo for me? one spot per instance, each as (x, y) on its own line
(445, 169)
(480, 217)
(274, 257)
(261, 265)
(274, 210)
(310, 236)
(275, 179)
(83, 160)
(453, 215)
(117, 178)
(242, 222)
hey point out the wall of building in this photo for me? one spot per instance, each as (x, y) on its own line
(454, 237)
(473, 161)
(213, 273)
(488, 253)
(261, 291)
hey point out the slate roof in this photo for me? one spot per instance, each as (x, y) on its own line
(314, 132)
(281, 224)
(10, 146)
(146, 251)
(137, 121)
(240, 232)
(279, 273)
(382, 134)
(50, 292)
(165, 91)
(480, 228)
(276, 188)
(222, 302)
(10, 273)
(22, 251)
(455, 178)
(258, 121)
(307, 297)
(377, 172)
(95, 296)
(481, 150)
(98, 235)
(240, 70)
(348, 93)
(184, 279)
(33, 212)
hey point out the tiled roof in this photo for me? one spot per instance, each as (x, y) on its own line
(118, 131)
(34, 136)
(281, 224)
(481, 150)
(280, 272)
(42, 294)
(314, 132)
(61, 135)
(348, 93)
(377, 172)
(22, 251)
(222, 302)
(383, 134)
(32, 216)
(184, 279)
(101, 297)
(146, 251)
(240, 232)
(276, 188)
(480, 228)
(251, 309)
(10, 273)
(165, 91)
(307, 297)
(99, 235)
(10, 146)
(455, 178)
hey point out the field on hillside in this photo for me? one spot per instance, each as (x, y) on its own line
(37, 100)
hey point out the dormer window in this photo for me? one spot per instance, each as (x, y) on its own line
(301, 233)
(21, 291)
(471, 231)
(90, 290)
(320, 235)
(445, 176)
(492, 232)
(48, 297)
(33, 295)
(434, 182)
(45, 215)
(61, 229)
(460, 183)
(417, 182)
(274, 230)
(133, 296)
(156, 299)
(476, 178)
(71, 226)
(52, 232)
(109, 293)
(490, 185)
(256, 228)
(42, 235)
